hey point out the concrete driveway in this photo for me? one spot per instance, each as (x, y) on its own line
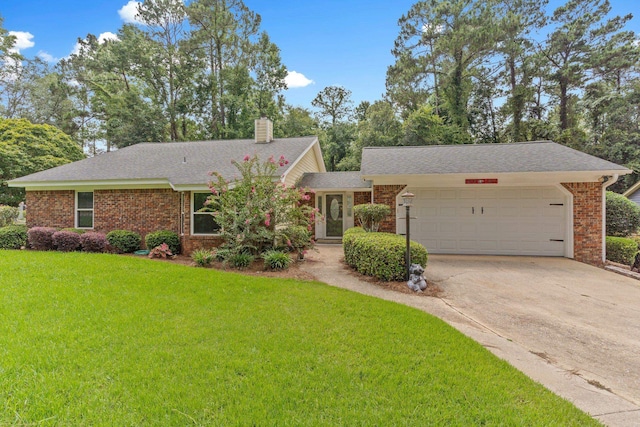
(572, 327)
(581, 319)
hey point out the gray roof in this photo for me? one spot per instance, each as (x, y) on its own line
(328, 180)
(537, 156)
(181, 163)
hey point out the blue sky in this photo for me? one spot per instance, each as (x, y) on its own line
(329, 42)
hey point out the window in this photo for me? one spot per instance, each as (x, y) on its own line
(202, 222)
(84, 209)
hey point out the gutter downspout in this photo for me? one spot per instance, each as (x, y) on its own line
(607, 181)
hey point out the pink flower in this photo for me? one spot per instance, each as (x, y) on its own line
(267, 223)
(246, 158)
(253, 189)
(271, 160)
(306, 197)
(246, 221)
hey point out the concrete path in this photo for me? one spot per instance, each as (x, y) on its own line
(572, 327)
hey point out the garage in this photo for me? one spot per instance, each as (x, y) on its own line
(534, 198)
(494, 221)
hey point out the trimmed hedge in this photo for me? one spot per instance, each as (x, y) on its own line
(157, 238)
(13, 237)
(124, 241)
(92, 241)
(380, 255)
(621, 249)
(66, 241)
(623, 215)
(41, 238)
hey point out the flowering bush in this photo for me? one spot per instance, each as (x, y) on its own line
(66, 241)
(40, 238)
(93, 241)
(252, 209)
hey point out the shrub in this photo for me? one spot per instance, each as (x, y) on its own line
(222, 254)
(623, 215)
(381, 255)
(156, 238)
(240, 260)
(621, 249)
(276, 260)
(75, 230)
(66, 241)
(370, 215)
(202, 257)
(92, 241)
(13, 237)
(124, 241)
(161, 251)
(8, 214)
(297, 238)
(252, 208)
(40, 238)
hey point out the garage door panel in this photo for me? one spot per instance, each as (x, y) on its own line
(489, 221)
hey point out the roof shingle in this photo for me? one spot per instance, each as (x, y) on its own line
(181, 163)
(537, 156)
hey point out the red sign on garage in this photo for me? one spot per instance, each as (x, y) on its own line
(481, 181)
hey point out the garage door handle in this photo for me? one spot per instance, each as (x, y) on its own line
(556, 240)
(556, 204)
(482, 210)
(473, 210)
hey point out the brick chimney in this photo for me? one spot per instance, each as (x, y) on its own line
(264, 130)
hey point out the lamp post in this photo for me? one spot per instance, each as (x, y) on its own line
(407, 199)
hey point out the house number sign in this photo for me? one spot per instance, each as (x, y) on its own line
(481, 181)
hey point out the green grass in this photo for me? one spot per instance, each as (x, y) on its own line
(89, 339)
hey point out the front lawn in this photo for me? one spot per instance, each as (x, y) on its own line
(92, 339)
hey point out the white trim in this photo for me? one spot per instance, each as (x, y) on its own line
(76, 209)
(605, 185)
(315, 146)
(94, 185)
(192, 213)
(569, 238)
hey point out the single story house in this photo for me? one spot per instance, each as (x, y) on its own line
(535, 198)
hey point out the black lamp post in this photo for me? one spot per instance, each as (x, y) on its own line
(407, 199)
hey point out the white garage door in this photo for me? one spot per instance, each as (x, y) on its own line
(497, 221)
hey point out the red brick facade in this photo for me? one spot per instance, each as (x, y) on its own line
(139, 210)
(51, 208)
(587, 221)
(361, 197)
(386, 195)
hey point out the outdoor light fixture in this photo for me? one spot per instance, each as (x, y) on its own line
(407, 199)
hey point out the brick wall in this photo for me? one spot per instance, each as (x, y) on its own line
(361, 198)
(142, 211)
(191, 243)
(386, 194)
(587, 221)
(50, 208)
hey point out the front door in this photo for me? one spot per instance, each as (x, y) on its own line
(334, 216)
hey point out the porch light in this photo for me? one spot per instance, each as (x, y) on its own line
(407, 199)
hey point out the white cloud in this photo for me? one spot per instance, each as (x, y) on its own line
(296, 80)
(23, 40)
(47, 57)
(103, 37)
(129, 11)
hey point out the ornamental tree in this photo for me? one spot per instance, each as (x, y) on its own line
(256, 211)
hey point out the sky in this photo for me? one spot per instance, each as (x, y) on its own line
(323, 42)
